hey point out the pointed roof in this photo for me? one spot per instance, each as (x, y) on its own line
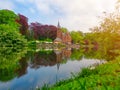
(58, 25)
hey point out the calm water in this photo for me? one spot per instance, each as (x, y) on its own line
(21, 70)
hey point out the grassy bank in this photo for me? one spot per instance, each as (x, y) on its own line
(103, 77)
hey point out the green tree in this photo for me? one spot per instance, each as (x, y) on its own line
(64, 30)
(9, 30)
(8, 17)
(107, 34)
(9, 37)
(9, 62)
(77, 36)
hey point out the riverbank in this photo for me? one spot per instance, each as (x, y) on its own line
(56, 46)
(51, 45)
(103, 77)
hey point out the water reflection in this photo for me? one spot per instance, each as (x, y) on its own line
(9, 62)
(49, 58)
(21, 69)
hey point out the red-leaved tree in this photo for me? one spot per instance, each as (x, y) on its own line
(43, 31)
(23, 21)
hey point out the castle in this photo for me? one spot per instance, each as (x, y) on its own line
(62, 37)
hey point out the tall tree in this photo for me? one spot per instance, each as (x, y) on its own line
(77, 36)
(9, 30)
(23, 21)
(8, 17)
(43, 31)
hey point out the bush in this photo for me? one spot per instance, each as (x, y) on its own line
(10, 37)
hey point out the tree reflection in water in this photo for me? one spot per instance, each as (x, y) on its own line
(14, 62)
(9, 62)
(49, 58)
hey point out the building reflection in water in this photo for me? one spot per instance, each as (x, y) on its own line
(43, 59)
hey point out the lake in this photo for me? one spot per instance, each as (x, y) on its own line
(25, 70)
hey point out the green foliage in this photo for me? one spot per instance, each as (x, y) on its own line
(107, 32)
(77, 37)
(9, 62)
(10, 43)
(45, 40)
(45, 52)
(10, 37)
(77, 54)
(8, 17)
(32, 45)
(64, 30)
(9, 30)
(87, 72)
(45, 87)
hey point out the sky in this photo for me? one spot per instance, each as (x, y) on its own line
(72, 14)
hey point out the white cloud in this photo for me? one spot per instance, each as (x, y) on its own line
(6, 4)
(78, 14)
(73, 14)
(43, 6)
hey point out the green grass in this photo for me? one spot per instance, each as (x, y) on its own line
(103, 77)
